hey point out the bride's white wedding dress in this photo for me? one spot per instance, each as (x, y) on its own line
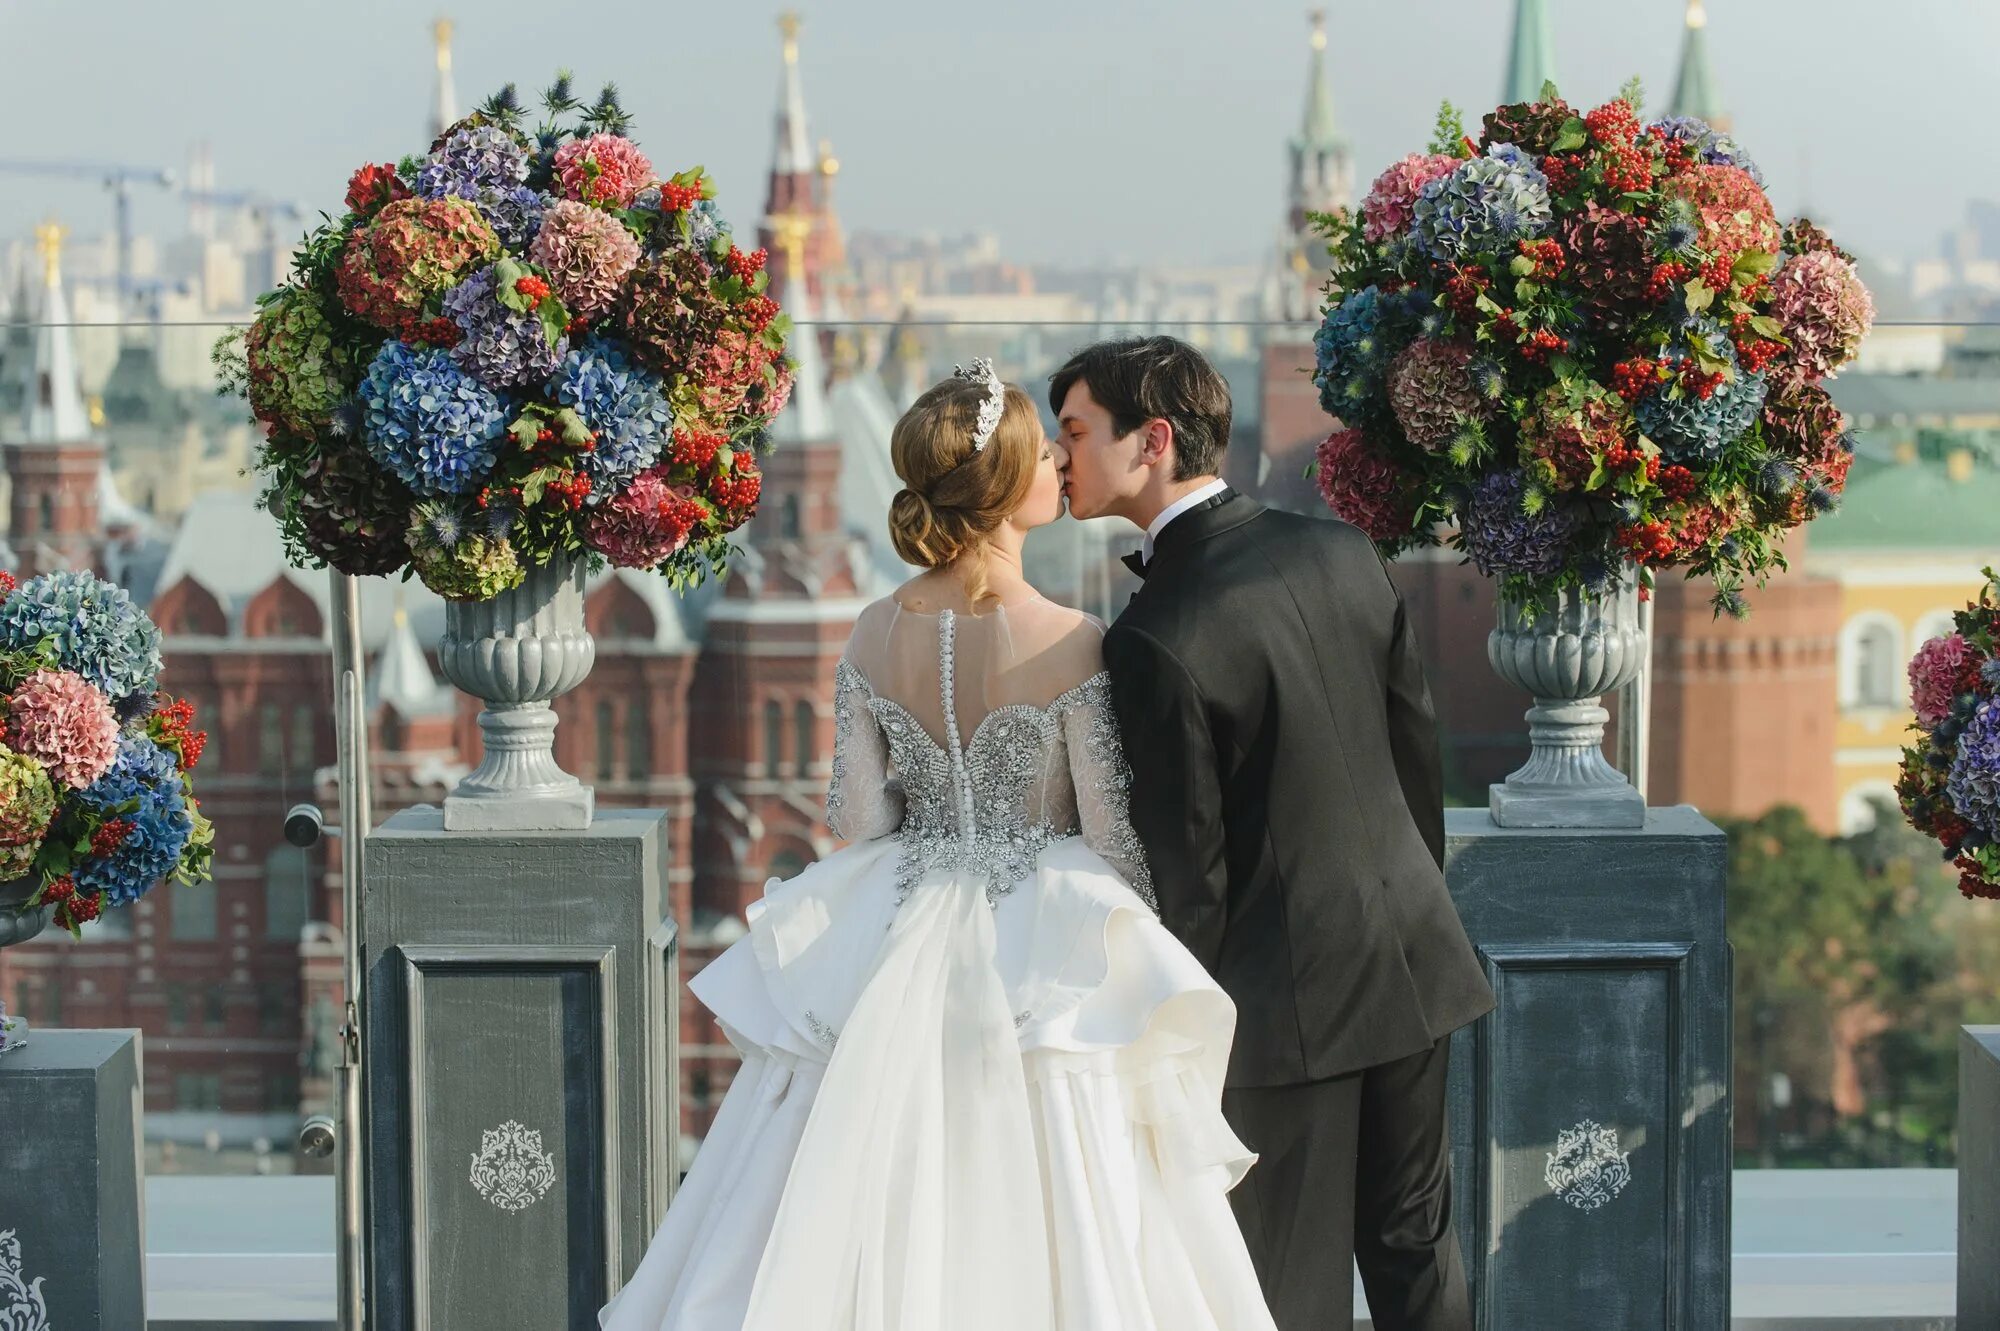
(981, 1084)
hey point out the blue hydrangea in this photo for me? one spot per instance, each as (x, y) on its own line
(144, 786)
(96, 628)
(1483, 207)
(483, 165)
(1990, 672)
(1711, 145)
(140, 765)
(1691, 428)
(504, 348)
(1349, 355)
(622, 401)
(705, 224)
(430, 423)
(1974, 783)
(1500, 536)
(514, 214)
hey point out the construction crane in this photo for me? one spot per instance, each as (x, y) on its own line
(264, 211)
(119, 180)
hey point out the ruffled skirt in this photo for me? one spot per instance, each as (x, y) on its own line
(956, 1117)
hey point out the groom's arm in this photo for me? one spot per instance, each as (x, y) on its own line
(1176, 790)
(1413, 739)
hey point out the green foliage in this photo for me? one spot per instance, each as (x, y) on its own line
(1633, 94)
(1448, 137)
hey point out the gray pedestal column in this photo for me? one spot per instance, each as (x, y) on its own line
(1591, 1110)
(520, 1068)
(1979, 1176)
(71, 1220)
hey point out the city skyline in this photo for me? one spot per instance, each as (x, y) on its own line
(950, 120)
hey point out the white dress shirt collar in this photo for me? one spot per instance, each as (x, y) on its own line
(1175, 509)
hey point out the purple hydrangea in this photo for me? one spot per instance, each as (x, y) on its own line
(144, 786)
(429, 422)
(622, 401)
(1502, 538)
(503, 347)
(483, 165)
(1711, 145)
(1691, 428)
(1974, 783)
(1482, 207)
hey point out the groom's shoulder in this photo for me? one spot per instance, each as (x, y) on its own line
(1327, 537)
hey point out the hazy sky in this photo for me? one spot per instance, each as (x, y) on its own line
(1095, 130)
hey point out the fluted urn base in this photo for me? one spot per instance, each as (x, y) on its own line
(1568, 655)
(518, 652)
(16, 924)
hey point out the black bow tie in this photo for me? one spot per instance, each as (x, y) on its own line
(1137, 564)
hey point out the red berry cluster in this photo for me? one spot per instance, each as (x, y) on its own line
(746, 266)
(758, 312)
(676, 198)
(738, 486)
(1626, 169)
(534, 288)
(1665, 277)
(108, 838)
(1702, 384)
(1463, 289)
(439, 332)
(568, 491)
(486, 492)
(1547, 256)
(696, 448)
(8, 583)
(1633, 379)
(1677, 483)
(1972, 879)
(1649, 543)
(1613, 124)
(1542, 344)
(1563, 171)
(1718, 273)
(1621, 456)
(176, 720)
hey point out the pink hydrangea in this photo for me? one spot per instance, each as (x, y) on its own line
(59, 720)
(587, 252)
(646, 522)
(1825, 309)
(1363, 487)
(603, 168)
(1942, 669)
(1387, 208)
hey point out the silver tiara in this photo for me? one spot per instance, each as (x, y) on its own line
(993, 407)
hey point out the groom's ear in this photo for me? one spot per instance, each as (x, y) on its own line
(1157, 441)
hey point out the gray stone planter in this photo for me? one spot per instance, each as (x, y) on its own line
(18, 925)
(1568, 655)
(517, 653)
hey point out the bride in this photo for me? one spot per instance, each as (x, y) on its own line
(980, 1084)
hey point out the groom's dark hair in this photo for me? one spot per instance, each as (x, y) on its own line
(1138, 379)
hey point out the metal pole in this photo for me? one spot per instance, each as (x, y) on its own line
(351, 732)
(1635, 712)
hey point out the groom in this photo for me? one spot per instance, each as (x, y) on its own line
(1286, 785)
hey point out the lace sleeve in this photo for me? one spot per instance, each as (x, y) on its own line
(862, 800)
(1104, 782)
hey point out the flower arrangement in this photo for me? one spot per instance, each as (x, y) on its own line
(483, 365)
(1584, 341)
(1949, 786)
(97, 800)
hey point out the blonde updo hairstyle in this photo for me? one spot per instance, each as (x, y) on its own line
(954, 499)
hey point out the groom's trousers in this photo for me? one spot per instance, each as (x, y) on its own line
(1355, 1170)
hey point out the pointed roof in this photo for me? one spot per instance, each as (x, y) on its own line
(1316, 131)
(55, 412)
(1531, 59)
(794, 149)
(444, 103)
(1695, 90)
(402, 677)
(805, 419)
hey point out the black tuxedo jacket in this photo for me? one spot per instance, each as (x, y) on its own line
(1287, 786)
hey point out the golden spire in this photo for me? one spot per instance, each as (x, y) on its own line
(441, 34)
(1318, 17)
(791, 230)
(788, 26)
(1697, 14)
(49, 240)
(829, 165)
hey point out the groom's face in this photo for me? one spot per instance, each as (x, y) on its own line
(1106, 469)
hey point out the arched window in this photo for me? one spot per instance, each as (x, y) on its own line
(1862, 807)
(804, 737)
(1872, 662)
(304, 756)
(1936, 624)
(788, 522)
(774, 736)
(287, 893)
(270, 738)
(607, 739)
(638, 739)
(193, 911)
(46, 511)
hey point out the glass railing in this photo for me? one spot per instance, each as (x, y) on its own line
(1856, 959)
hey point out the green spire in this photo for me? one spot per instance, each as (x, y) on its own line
(1317, 133)
(1695, 90)
(1531, 62)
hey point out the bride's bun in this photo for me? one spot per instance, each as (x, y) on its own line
(954, 499)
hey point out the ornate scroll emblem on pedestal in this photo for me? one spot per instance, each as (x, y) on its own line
(21, 1307)
(1587, 1169)
(512, 1170)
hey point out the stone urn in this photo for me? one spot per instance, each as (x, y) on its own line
(16, 924)
(517, 653)
(1568, 653)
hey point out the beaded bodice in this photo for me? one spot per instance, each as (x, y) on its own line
(985, 804)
